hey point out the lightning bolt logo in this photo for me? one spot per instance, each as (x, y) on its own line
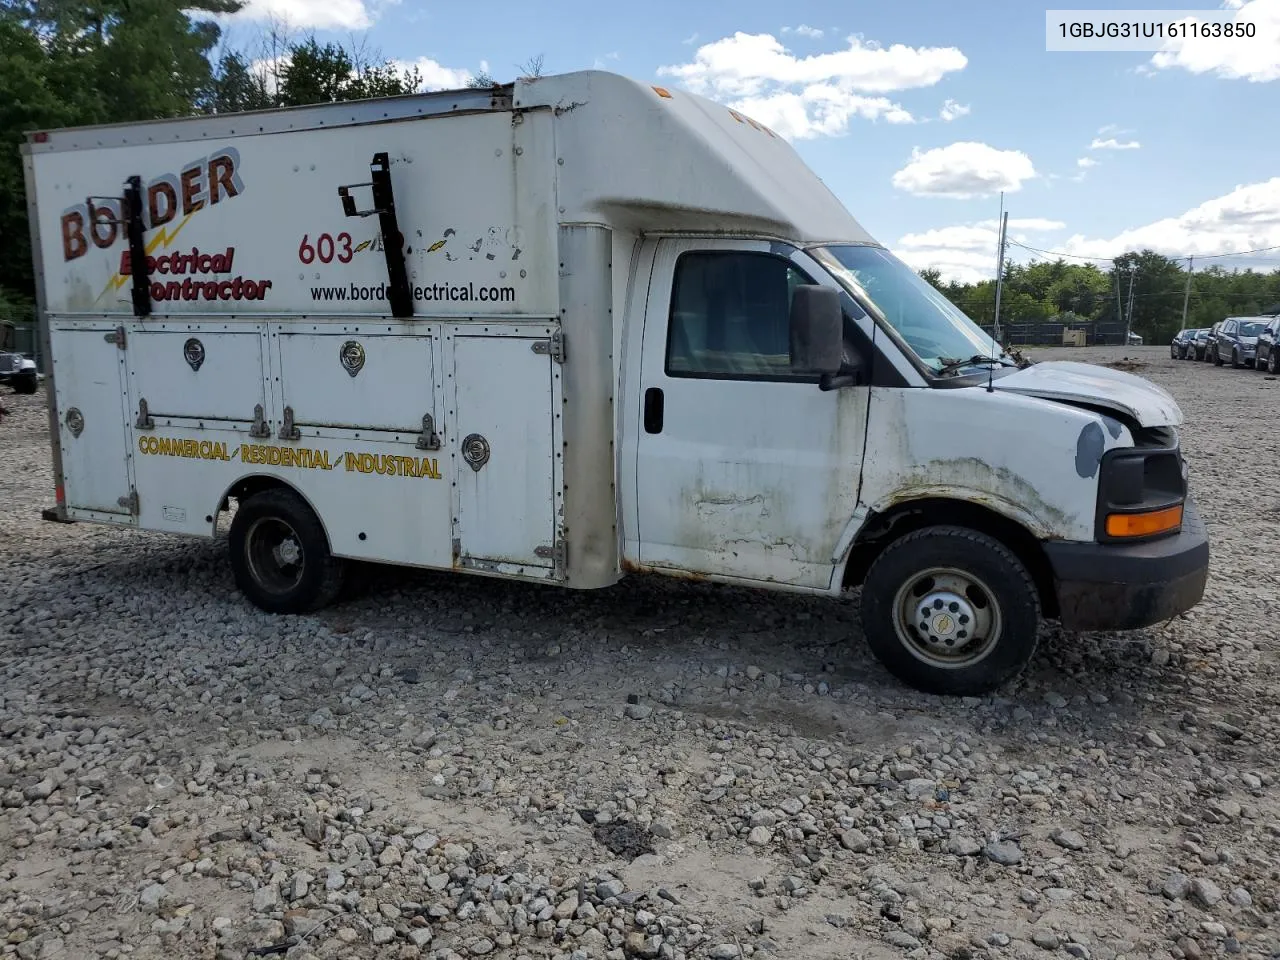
(164, 237)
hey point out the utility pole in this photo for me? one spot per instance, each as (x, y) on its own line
(1004, 226)
(1128, 322)
(1186, 297)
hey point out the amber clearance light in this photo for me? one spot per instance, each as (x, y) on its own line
(1144, 524)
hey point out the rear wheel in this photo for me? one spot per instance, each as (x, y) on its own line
(948, 610)
(1273, 366)
(27, 383)
(280, 554)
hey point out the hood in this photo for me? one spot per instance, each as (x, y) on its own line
(1096, 386)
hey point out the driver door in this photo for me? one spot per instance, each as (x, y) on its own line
(744, 469)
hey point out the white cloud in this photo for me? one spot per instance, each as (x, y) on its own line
(1256, 58)
(804, 30)
(964, 169)
(967, 252)
(602, 63)
(1086, 162)
(1114, 144)
(817, 95)
(817, 111)
(435, 75)
(310, 14)
(747, 65)
(1247, 218)
(953, 111)
(1027, 224)
(690, 39)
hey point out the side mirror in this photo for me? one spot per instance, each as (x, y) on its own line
(817, 336)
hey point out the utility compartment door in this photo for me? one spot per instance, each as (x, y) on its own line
(503, 450)
(89, 377)
(207, 372)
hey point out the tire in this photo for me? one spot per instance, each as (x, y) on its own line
(1217, 358)
(940, 560)
(1173, 353)
(1273, 364)
(26, 384)
(279, 584)
(1235, 359)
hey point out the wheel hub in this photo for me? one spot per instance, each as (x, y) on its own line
(946, 622)
(947, 617)
(288, 552)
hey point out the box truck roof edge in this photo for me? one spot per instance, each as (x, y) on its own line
(635, 155)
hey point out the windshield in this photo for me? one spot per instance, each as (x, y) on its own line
(1252, 328)
(932, 326)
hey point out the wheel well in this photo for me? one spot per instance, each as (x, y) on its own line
(882, 529)
(246, 487)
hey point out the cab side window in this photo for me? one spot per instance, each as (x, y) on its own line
(730, 316)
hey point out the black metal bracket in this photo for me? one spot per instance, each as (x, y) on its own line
(137, 248)
(384, 206)
(131, 220)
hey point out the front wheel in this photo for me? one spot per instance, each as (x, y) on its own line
(949, 610)
(1273, 366)
(1217, 358)
(26, 384)
(280, 554)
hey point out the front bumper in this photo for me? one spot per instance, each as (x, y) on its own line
(1102, 586)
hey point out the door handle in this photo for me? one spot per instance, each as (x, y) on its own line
(653, 410)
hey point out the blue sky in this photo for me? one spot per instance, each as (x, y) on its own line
(918, 112)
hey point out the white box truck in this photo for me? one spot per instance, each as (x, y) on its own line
(565, 330)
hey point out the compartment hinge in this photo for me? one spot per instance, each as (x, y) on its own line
(116, 336)
(287, 430)
(558, 553)
(130, 502)
(259, 428)
(554, 347)
(145, 421)
(428, 439)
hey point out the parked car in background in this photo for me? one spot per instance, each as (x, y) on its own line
(1178, 345)
(1268, 352)
(1199, 344)
(17, 370)
(1237, 341)
(1211, 342)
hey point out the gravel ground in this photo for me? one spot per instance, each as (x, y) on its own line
(450, 767)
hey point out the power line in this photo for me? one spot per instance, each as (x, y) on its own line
(1198, 256)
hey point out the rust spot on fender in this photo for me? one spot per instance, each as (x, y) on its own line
(975, 481)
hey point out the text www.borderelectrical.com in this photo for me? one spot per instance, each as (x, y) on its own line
(440, 292)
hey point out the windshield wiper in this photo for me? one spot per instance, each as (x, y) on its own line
(977, 360)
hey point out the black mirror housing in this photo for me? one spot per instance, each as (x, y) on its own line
(817, 330)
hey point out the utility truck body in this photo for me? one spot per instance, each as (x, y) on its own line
(568, 329)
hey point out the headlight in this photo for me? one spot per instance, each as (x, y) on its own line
(1141, 492)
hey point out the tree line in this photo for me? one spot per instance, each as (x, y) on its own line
(1082, 293)
(76, 62)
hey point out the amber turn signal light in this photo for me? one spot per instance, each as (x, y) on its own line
(1144, 524)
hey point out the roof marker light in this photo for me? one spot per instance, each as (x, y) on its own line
(662, 92)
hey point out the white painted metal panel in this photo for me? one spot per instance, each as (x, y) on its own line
(88, 374)
(225, 383)
(503, 393)
(392, 388)
(378, 499)
(254, 224)
(750, 479)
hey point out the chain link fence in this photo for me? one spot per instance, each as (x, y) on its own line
(1048, 333)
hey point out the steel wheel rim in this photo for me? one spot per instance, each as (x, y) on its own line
(935, 606)
(275, 555)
